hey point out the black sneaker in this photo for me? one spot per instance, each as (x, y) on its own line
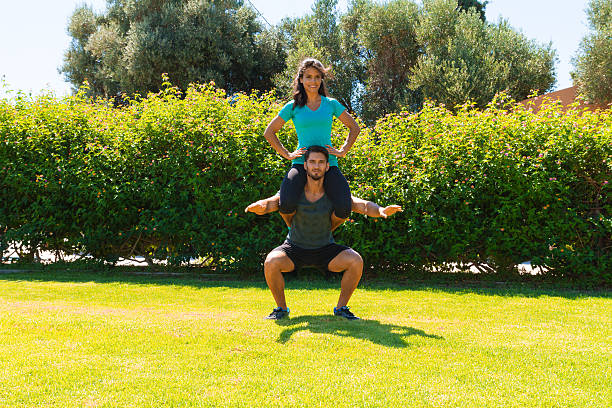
(345, 312)
(278, 313)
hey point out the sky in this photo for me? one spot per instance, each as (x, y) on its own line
(34, 36)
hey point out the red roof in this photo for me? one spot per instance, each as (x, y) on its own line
(567, 97)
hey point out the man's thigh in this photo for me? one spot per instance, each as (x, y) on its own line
(344, 260)
(281, 260)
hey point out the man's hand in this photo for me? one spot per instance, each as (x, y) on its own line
(258, 207)
(265, 206)
(371, 209)
(389, 210)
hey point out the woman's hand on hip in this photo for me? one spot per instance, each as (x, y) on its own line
(336, 152)
(296, 154)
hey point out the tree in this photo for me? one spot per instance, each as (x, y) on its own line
(353, 67)
(80, 65)
(531, 65)
(464, 58)
(465, 5)
(129, 47)
(388, 33)
(593, 62)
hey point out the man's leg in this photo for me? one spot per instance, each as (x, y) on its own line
(276, 263)
(351, 263)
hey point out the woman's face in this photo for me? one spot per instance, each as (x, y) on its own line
(311, 79)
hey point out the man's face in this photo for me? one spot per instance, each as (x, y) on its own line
(316, 165)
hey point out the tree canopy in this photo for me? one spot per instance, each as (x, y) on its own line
(127, 48)
(593, 62)
(384, 56)
(464, 58)
(480, 6)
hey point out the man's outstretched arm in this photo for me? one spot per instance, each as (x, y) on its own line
(372, 209)
(265, 206)
(361, 206)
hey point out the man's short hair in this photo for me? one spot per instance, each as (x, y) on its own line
(316, 149)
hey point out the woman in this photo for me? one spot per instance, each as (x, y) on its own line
(313, 112)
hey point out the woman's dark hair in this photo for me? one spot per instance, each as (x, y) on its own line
(299, 93)
(316, 149)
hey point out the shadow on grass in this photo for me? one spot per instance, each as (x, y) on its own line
(448, 283)
(389, 335)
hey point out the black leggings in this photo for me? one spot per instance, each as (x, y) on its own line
(336, 188)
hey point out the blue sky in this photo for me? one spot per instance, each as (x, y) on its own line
(34, 35)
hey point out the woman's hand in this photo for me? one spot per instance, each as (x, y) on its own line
(336, 152)
(296, 154)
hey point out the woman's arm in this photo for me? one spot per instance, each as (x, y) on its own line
(270, 134)
(354, 130)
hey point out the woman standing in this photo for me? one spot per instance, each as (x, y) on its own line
(313, 112)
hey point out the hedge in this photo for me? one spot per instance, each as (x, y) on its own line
(168, 176)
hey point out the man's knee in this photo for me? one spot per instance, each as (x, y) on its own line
(352, 256)
(272, 261)
(276, 261)
(357, 261)
(349, 259)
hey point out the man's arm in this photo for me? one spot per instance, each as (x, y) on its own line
(271, 204)
(372, 209)
(265, 206)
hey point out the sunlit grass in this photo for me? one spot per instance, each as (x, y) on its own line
(73, 341)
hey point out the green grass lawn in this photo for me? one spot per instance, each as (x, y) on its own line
(94, 340)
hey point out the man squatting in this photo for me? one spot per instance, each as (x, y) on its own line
(310, 241)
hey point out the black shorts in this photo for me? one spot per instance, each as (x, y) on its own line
(318, 257)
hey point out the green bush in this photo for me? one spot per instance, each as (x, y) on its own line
(168, 176)
(490, 188)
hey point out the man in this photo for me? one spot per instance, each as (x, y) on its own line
(310, 241)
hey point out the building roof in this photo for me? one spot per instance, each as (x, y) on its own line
(566, 96)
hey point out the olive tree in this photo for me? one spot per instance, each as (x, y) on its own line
(134, 42)
(593, 62)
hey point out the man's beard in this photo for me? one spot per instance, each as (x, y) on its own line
(315, 178)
